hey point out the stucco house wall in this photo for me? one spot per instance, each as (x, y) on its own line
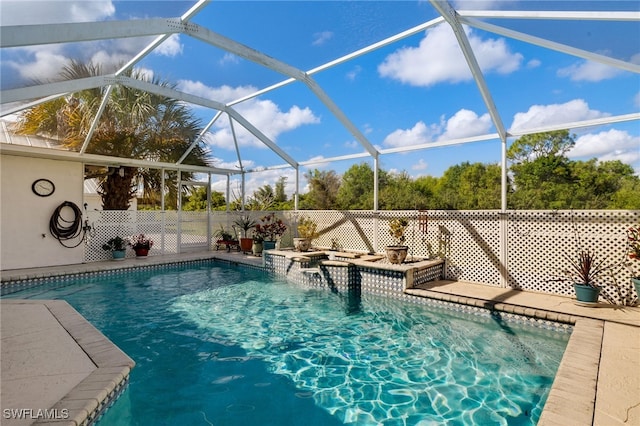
(25, 240)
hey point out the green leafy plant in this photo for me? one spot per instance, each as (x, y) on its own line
(223, 234)
(115, 244)
(307, 228)
(245, 222)
(397, 227)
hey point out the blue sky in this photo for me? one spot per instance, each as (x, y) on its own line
(418, 90)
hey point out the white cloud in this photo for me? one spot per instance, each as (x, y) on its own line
(589, 71)
(593, 71)
(462, 124)
(170, 47)
(420, 133)
(465, 123)
(52, 12)
(534, 63)
(45, 64)
(608, 145)
(321, 38)
(229, 58)
(353, 73)
(420, 165)
(263, 114)
(438, 59)
(547, 115)
(352, 144)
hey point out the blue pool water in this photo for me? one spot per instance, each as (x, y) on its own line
(217, 345)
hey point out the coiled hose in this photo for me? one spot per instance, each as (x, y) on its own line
(65, 230)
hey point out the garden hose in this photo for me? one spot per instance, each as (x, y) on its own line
(65, 230)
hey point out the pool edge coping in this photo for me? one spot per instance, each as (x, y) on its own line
(93, 395)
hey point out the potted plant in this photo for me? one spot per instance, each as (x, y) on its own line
(271, 228)
(245, 223)
(225, 238)
(584, 271)
(257, 240)
(307, 232)
(633, 251)
(397, 253)
(140, 244)
(117, 246)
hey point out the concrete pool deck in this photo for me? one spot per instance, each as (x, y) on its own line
(47, 364)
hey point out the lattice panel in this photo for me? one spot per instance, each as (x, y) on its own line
(106, 225)
(539, 240)
(353, 230)
(193, 230)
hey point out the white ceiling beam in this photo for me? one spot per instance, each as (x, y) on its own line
(94, 123)
(31, 35)
(548, 44)
(419, 147)
(451, 16)
(20, 106)
(229, 45)
(552, 15)
(577, 124)
(170, 93)
(52, 89)
(57, 154)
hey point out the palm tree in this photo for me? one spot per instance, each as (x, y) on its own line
(134, 124)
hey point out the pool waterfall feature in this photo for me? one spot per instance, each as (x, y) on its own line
(350, 273)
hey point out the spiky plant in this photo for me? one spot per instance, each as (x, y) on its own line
(586, 268)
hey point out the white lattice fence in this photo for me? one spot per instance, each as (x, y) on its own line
(538, 242)
(157, 225)
(517, 249)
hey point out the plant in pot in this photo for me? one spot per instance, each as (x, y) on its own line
(397, 253)
(141, 244)
(257, 240)
(633, 251)
(245, 223)
(224, 238)
(117, 246)
(584, 271)
(271, 228)
(307, 232)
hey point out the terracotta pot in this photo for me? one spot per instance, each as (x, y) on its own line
(246, 244)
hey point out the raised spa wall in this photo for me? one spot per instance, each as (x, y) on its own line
(345, 272)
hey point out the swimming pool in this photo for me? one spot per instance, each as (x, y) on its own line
(230, 346)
